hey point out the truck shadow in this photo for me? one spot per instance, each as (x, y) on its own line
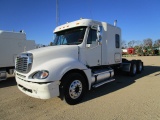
(121, 82)
(9, 82)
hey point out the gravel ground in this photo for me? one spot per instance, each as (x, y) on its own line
(128, 98)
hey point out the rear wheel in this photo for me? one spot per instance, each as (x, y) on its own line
(133, 69)
(139, 66)
(74, 87)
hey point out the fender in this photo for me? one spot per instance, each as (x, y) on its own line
(58, 67)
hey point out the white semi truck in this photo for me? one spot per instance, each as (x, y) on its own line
(85, 55)
(12, 44)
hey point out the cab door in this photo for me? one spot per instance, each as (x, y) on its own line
(93, 49)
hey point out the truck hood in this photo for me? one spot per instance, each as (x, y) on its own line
(46, 54)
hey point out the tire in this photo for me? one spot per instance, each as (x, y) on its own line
(139, 66)
(133, 69)
(74, 87)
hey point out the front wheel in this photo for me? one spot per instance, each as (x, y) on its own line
(74, 87)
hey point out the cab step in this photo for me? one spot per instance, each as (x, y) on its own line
(102, 83)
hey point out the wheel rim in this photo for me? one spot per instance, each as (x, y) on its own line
(140, 66)
(75, 89)
(134, 69)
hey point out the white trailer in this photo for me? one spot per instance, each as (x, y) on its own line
(85, 55)
(12, 44)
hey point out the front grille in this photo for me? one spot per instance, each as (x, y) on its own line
(23, 63)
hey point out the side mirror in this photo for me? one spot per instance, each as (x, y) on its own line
(99, 34)
(98, 28)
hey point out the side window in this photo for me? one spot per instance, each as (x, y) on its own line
(92, 36)
(117, 41)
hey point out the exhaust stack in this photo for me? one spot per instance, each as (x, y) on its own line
(115, 23)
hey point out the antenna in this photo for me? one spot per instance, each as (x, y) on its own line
(57, 13)
(90, 9)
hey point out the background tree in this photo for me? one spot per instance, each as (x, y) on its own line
(148, 42)
(157, 43)
(131, 43)
(51, 44)
(123, 44)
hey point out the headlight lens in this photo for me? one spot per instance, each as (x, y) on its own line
(41, 74)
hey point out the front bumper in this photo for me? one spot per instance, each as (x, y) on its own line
(38, 90)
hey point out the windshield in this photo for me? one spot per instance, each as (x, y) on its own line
(72, 36)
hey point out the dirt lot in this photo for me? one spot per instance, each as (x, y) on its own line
(128, 98)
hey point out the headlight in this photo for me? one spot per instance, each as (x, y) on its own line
(41, 74)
